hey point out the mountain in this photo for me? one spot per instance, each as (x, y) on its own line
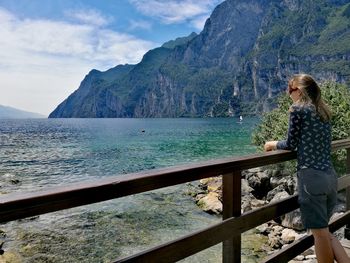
(12, 113)
(238, 64)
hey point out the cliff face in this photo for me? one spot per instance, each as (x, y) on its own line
(237, 64)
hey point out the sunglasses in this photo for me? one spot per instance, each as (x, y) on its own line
(290, 89)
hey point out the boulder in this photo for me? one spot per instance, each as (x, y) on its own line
(291, 185)
(263, 229)
(210, 203)
(289, 235)
(214, 184)
(249, 202)
(279, 196)
(260, 182)
(276, 181)
(292, 220)
(274, 241)
(246, 189)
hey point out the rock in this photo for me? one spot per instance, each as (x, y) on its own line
(264, 229)
(270, 195)
(299, 258)
(276, 181)
(246, 189)
(279, 196)
(211, 184)
(277, 229)
(292, 220)
(194, 189)
(205, 181)
(2, 233)
(199, 196)
(214, 184)
(14, 181)
(211, 203)
(310, 257)
(291, 185)
(256, 203)
(260, 182)
(308, 252)
(249, 202)
(254, 170)
(274, 241)
(288, 235)
(10, 257)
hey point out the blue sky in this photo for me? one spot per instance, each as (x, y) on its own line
(48, 46)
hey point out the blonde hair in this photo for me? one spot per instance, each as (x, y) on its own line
(310, 94)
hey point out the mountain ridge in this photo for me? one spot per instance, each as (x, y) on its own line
(7, 112)
(236, 65)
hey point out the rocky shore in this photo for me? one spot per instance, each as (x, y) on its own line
(261, 187)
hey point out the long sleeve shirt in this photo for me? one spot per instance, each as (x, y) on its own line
(310, 137)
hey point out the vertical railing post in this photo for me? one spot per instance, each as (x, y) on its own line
(231, 196)
(347, 227)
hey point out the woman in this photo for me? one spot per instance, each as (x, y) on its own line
(309, 134)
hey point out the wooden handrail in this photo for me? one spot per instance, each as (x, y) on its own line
(17, 206)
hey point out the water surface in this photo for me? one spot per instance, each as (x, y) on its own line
(42, 153)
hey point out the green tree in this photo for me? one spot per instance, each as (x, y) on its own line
(274, 124)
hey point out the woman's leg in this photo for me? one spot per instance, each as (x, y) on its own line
(338, 250)
(323, 245)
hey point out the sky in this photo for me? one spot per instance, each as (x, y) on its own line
(48, 46)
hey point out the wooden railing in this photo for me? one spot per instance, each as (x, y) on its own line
(17, 206)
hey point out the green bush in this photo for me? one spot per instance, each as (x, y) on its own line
(274, 124)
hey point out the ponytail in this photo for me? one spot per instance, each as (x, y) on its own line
(311, 93)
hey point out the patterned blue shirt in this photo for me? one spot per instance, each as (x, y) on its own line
(310, 137)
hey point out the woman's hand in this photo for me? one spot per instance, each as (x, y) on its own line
(270, 146)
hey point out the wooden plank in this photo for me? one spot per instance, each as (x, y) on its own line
(343, 182)
(232, 188)
(340, 144)
(299, 246)
(203, 239)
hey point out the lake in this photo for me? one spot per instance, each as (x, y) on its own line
(37, 154)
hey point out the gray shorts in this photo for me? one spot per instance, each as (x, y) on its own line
(317, 192)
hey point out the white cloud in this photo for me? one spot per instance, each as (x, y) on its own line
(176, 11)
(139, 24)
(43, 61)
(199, 22)
(90, 16)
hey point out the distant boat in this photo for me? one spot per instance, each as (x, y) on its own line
(240, 118)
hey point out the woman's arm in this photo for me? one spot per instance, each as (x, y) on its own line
(294, 130)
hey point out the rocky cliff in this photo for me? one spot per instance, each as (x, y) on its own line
(237, 64)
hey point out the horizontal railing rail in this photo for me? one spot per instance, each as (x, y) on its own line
(18, 205)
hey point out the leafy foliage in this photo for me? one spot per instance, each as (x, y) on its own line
(274, 124)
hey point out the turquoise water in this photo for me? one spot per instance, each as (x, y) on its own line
(36, 154)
